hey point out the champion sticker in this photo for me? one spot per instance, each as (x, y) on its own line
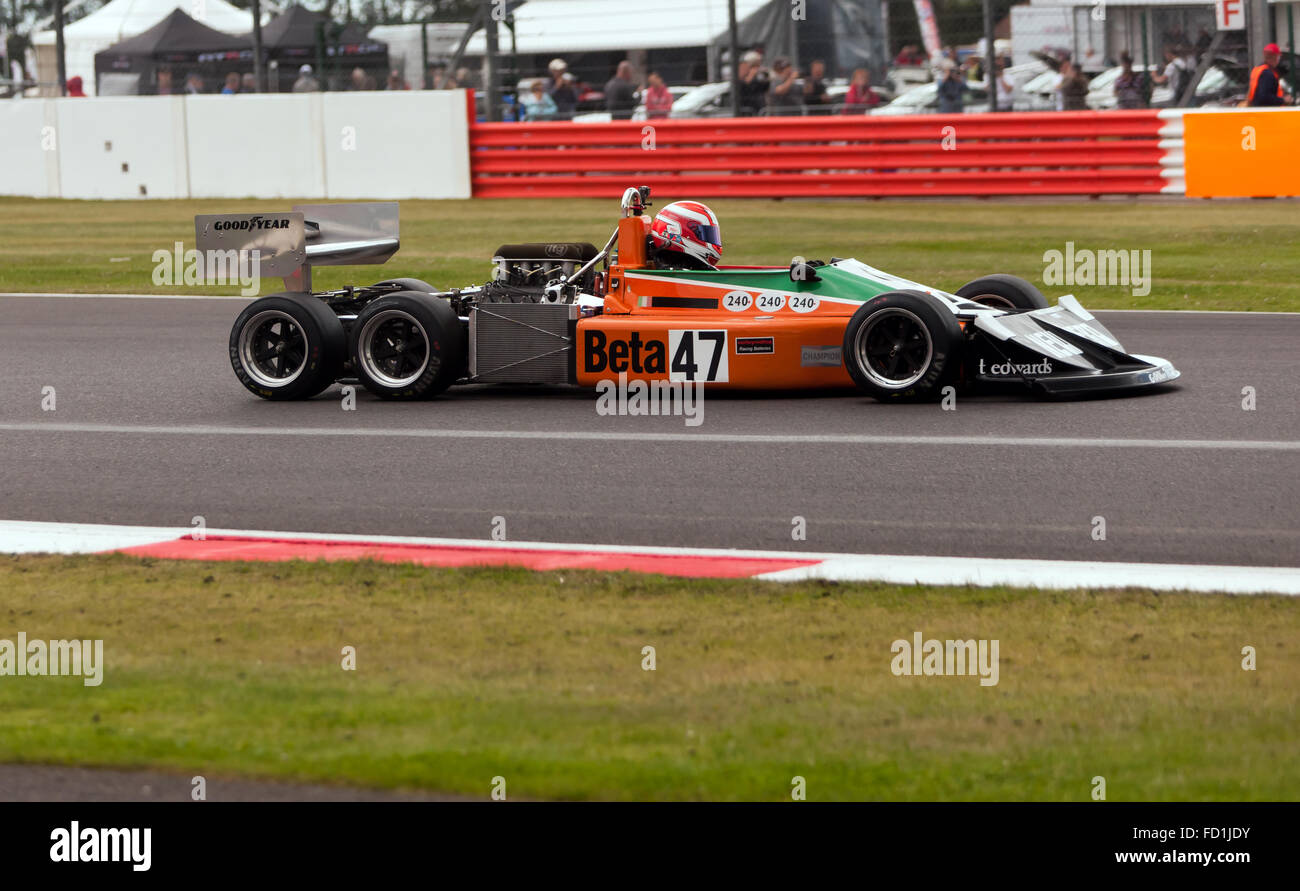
(755, 346)
(820, 357)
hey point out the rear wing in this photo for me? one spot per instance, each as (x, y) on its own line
(290, 244)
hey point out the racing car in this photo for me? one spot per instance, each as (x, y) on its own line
(568, 313)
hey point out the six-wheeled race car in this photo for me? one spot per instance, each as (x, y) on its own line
(558, 313)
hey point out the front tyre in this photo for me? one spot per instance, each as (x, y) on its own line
(287, 346)
(408, 345)
(903, 346)
(1004, 292)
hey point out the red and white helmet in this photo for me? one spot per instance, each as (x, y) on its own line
(688, 227)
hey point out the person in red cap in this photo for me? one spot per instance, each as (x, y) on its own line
(74, 87)
(1265, 85)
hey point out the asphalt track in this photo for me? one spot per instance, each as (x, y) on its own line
(151, 428)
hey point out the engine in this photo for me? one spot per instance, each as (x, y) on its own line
(531, 267)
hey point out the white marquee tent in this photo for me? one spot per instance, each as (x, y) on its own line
(119, 20)
(578, 26)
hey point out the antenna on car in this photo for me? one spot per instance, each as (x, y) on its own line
(636, 200)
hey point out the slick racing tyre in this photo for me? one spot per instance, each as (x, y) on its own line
(1004, 292)
(407, 284)
(287, 346)
(903, 346)
(408, 345)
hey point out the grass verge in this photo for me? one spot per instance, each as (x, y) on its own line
(462, 676)
(1204, 255)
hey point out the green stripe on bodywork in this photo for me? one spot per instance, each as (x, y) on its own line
(834, 282)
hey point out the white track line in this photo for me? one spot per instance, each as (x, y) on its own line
(985, 572)
(1180, 312)
(1056, 442)
(17, 536)
(134, 296)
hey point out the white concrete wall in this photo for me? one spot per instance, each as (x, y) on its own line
(396, 145)
(122, 147)
(410, 144)
(29, 159)
(255, 146)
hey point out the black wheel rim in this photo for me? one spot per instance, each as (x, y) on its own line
(393, 348)
(273, 348)
(894, 348)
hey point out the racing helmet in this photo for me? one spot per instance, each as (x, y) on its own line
(690, 228)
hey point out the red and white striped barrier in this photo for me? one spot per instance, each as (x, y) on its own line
(224, 544)
(1042, 153)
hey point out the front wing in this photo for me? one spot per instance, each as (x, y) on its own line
(1061, 350)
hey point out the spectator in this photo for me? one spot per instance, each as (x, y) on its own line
(556, 69)
(814, 88)
(657, 97)
(1006, 87)
(75, 87)
(783, 96)
(248, 84)
(565, 96)
(754, 83)
(537, 104)
(1175, 74)
(194, 84)
(357, 80)
(1265, 85)
(860, 97)
(396, 81)
(305, 82)
(232, 84)
(436, 75)
(910, 54)
(164, 82)
(620, 93)
(1203, 40)
(952, 88)
(1128, 86)
(1073, 88)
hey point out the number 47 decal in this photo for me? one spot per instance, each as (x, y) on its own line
(697, 356)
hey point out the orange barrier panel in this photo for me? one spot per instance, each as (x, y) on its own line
(1242, 154)
(1065, 153)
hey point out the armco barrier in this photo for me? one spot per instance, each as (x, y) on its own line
(1065, 153)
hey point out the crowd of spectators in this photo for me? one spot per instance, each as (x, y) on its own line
(783, 89)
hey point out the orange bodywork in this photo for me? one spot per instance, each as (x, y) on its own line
(657, 328)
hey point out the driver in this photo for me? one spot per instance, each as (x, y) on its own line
(686, 235)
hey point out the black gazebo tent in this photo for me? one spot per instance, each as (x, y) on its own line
(180, 45)
(299, 36)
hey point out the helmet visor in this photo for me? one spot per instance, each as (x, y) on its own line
(706, 234)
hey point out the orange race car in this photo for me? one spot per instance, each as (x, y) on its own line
(652, 305)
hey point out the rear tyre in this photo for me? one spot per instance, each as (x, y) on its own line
(903, 346)
(287, 346)
(1004, 292)
(408, 345)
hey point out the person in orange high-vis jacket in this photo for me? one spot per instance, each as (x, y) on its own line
(1265, 84)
